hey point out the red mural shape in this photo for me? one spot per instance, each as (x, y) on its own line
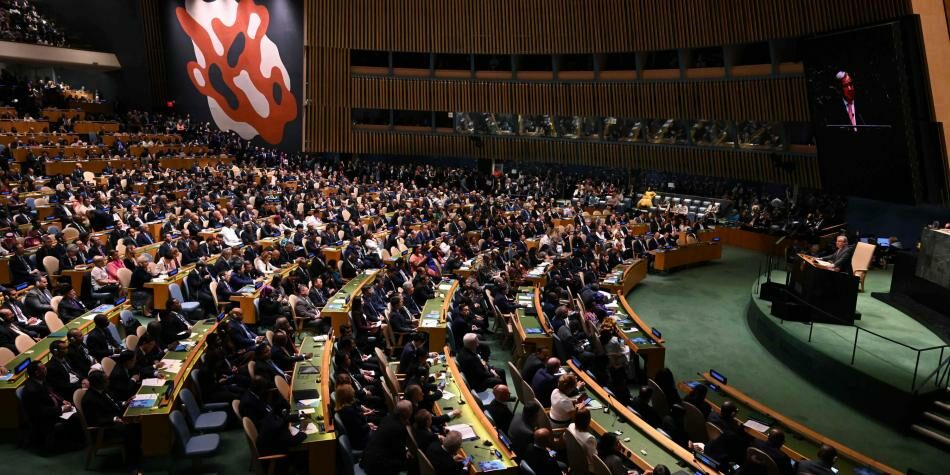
(267, 120)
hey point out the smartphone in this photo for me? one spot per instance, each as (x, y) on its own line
(467, 461)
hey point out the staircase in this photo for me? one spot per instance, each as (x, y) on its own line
(934, 422)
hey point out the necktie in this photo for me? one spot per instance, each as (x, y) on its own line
(851, 113)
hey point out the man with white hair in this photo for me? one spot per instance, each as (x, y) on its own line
(846, 89)
(478, 373)
(444, 456)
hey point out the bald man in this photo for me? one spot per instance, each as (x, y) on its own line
(385, 453)
(499, 410)
(537, 456)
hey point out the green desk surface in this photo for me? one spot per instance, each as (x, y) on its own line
(525, 296)
(806, 447)
(474, 448)
(198, 332)
(612, 421)
(82, 322)
(615, 277)
(630, 328)
(308, 386)
(432, 310)
(338, 301)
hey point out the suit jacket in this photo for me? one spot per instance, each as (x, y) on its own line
(71, 308)
(475, 371)
(501, 414)
(79, 358)
(541, 461)
(442, 461)
(400, 321)
(784, 463)
(40, 407)
(386, 451)
(305, 308)
(356, 426)
(143, 239)
(240, 335)
(543, 385)
(20, 269)
(57, 378)
(37, 303)
(101, 343)
(100, 409)
(8, 337)
(842, 259)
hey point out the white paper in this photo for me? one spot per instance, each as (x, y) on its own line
(447, 395)
(756, 426)
(466, 430)
(153, 382)
(145, 397)
(294, 431)
(311, 428)
(308, 402)
(67, 415)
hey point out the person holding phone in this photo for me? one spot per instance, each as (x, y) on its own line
(444, 455)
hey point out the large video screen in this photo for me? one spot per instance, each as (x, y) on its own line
(860, 111)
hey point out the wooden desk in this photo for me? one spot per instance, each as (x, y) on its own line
(531, 331)
(624, 277)
(9, 404)
(246, 301)
(647, 446)
(638, 229)
(665, 260)
(305, 385)
(433, 320)
(333, 253)
(472, 415)
(538, 276)
(338, 306)
(801, 442)
(156, 430)
(639, 337)
(76, 276)
(268, 243)
(151, 249)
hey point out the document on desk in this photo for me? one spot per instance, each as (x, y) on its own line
(466, 430)
(153, 382)
(171, 366)
(143, 401)
(308, 403)
(67, 415)
(756, 426)
(447, 395)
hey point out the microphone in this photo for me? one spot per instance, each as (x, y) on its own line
(610, 395)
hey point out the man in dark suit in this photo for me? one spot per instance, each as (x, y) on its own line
(241, 336)
(385, 453)
(479, 374)
(730, 447)
(27, 322)
(62, 378)
(537, 455)
(38, 300)
(544, 381)
(10, 330)
(100, 341)
(77, 354)
(773, 448)
(841, 258)
(43, 406)
(498, 409)
(143, 238)
(444, 456)
(408, 355)
(642, 403)
(22, 269)
(399, 318)
(101, 410)
(822, 465)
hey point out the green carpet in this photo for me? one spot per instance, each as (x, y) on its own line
(702, 314)
(875, 354)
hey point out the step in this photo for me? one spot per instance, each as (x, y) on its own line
(934, 435)
(937, 420)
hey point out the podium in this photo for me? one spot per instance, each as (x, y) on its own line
(824, 296)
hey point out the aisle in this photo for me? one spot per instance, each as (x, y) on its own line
(701, 312)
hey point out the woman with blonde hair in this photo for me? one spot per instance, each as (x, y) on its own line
(352, 416)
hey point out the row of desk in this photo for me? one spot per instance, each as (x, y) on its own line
(801, 442)
(10, 415)
(434, 319)
(669, 259)
(96, 166)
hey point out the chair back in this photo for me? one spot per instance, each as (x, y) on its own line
(51, 264)
(70, 234)
(338, 424)
(755, 456)
(712, 431)
(860, 260)
(108, 364)
(282, 387)
(89, 176)
(576, 455)
(269, 335)
(425, 466)
(24, 343)
(292, 303)
(598, 466)
(695, 423)
(345, 464)
(175, 291)
(131, 342)
(658, 401)
(125, 277)
(213, 288)
(190, 405)
(525, 468)
(182, 433)
(252, 369)
(236, 407)
(250, 431)
(6, 355)
(518, 380)
(53, 322)
(140, 330)
(54, 302)
(77, 401)
(542, 421)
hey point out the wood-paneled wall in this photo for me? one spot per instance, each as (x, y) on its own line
(334, 28)
(780, 98)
